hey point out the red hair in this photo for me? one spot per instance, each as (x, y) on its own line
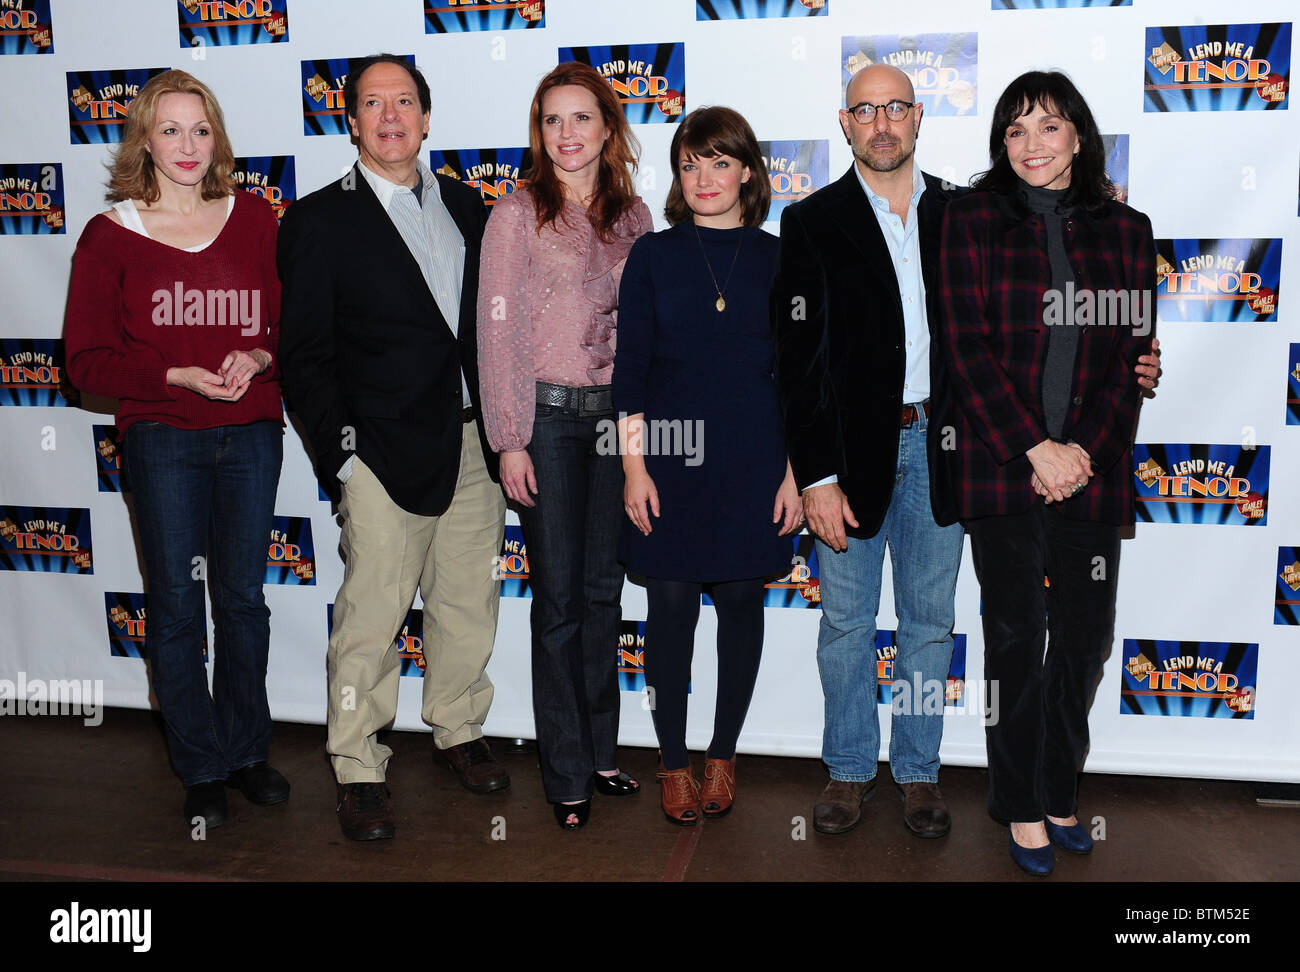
(615, 191)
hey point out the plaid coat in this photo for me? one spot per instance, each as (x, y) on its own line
(996, 277)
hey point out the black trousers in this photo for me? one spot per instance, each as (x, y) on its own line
(1038, 743)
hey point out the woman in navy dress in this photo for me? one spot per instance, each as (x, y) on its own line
(708, 491)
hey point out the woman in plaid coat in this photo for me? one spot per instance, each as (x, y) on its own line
(1048, 288)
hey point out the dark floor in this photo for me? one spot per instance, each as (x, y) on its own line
(1156, 829)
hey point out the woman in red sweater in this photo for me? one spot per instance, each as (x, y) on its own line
(173, 310)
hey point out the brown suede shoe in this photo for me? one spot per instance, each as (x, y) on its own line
(924, 813)
(840, 807)
(364, 813)
(477, 768)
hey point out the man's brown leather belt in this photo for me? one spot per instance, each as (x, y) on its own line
(910, 413)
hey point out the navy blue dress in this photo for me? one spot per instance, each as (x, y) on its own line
(692, 369)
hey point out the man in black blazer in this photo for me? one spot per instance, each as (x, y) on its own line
(378, 353)
(864, 397)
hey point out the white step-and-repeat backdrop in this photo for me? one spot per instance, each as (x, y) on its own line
(1195, 102)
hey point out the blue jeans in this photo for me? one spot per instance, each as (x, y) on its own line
(208, 493)
(572, 539)
(924, 557)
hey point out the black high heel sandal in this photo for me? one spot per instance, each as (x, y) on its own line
(619, 784)
(563, 811)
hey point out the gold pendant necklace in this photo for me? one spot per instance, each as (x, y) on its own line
(721, 302)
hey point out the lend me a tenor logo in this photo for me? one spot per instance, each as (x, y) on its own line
(45, 539)
(98, 102)
(31, 199)
(221, 22)
(1211, 679)
(1219, 67)
(1190, 483)
(25, 27)
(649, 80)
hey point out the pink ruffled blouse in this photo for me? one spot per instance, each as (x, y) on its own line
(547, 308)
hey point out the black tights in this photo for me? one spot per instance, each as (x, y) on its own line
(673, 608)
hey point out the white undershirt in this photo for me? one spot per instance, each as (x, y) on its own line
(130, 217)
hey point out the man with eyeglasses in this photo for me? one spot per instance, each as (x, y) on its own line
(853, 303)
(867, 408)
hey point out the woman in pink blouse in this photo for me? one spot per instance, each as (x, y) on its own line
(553, 256)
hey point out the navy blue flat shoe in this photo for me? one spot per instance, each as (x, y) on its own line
(1037, 861)
(1073, 838)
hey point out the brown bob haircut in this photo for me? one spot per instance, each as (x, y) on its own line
(131, 173)
(707, 133)
(615, 191)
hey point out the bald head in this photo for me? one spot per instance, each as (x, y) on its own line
(881, 146)
(878, 84)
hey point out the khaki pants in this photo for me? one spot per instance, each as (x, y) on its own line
(389, 552)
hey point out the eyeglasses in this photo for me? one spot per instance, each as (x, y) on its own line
(896, 110)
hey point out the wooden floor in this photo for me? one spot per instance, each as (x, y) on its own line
(103, 804)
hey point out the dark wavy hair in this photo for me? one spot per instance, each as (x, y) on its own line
(615, 191)
(358, 66)
(1089, 188)
(707, 133)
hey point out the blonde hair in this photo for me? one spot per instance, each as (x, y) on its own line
(131, 173)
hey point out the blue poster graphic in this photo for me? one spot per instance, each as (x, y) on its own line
(492, 172)
(459, 16)
(800, 588)
(922, 695)
(796, 169)
(1293, 386)
(512, 566)
(31, 372)
(1056, 4)
(54, 540)
(943, 67)
(126, 614)
(746, 9)
(1116, 147)
(291, 555)
(229, 22)
(648, 79)
(25, 27)
(98, 101)
(108, 459)
(1286, 587)
(1216, 280)
(1217, 67)
(270, 176)
(1210, 484)
(31, 199)
(1206, 679)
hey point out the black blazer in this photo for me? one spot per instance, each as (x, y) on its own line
(840, 348)
(368, 360)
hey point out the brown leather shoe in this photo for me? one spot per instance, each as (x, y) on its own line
(924, 813)
(477, 768)
(679, 795)
(719, 789)
(363, 811)
(840, 807)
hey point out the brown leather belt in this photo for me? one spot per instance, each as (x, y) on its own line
(911, 413)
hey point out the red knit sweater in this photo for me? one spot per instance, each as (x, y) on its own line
(137, 307)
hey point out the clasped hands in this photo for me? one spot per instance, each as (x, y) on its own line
(1061, 470)
(229, 382)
